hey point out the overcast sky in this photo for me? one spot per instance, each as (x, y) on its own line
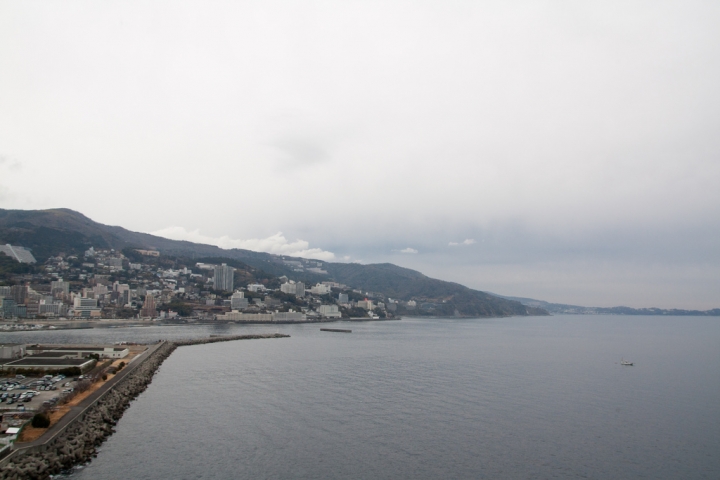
(567, 151)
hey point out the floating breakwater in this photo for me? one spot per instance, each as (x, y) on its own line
(76, 441)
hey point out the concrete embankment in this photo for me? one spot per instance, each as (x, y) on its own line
(75, 438)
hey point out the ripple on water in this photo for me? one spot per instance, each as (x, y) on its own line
(501, 398)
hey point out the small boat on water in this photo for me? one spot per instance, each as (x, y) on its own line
(626, 363)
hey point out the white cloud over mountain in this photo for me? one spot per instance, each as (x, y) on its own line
(465, 242)
(276, 244)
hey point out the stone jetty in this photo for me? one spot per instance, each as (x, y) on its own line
(76, 441)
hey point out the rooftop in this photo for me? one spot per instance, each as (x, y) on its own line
(55, 362)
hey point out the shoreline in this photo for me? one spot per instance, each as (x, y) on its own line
(115, 323)
(75, 438)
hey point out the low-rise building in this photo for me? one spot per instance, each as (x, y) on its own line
(366, 304)
(238, 301)
(329, 311)
(292, 288)
(256, 287)
(263, 317)
(12, 351)
(86, 307)
(80, 351)
(59, 287)
(289, 317)
(54, 309)
(246, 317)
(46, 363)
(320, 289)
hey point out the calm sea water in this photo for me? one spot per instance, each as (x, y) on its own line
(540, 397)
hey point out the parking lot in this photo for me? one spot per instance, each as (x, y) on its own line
(31, 393)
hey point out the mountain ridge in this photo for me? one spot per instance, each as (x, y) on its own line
(565, 309)
(61, 230)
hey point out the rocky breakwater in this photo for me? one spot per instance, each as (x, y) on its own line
(78, 441)
(227, 338)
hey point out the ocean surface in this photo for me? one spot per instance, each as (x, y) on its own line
(538, 397)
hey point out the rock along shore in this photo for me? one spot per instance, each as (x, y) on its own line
(79, 440)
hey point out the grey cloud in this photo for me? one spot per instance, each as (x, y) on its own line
(583, 139)
(299, 152)
(6, 163)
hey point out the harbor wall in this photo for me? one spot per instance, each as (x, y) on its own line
(75, 438)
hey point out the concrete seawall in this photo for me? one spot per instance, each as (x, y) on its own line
(74, 439)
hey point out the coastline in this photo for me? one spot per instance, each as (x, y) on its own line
(135, 323)
(75, 438)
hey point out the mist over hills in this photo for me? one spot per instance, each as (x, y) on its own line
(563, 309)
(63, 231)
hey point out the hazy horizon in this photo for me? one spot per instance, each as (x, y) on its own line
(559, 151)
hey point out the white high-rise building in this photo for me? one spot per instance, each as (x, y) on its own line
(224, 278)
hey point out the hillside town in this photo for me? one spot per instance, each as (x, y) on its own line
(145, 285)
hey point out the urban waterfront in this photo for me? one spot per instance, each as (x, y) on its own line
(537, 397)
